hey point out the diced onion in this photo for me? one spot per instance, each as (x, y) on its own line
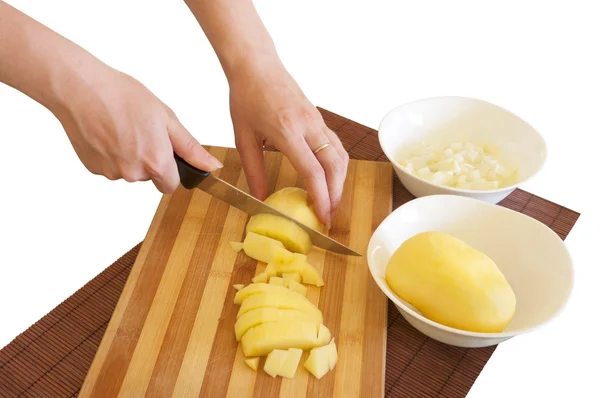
(462, 165)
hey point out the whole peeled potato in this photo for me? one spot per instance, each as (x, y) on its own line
(451, 283)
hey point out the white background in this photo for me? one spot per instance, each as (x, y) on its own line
(60, 226)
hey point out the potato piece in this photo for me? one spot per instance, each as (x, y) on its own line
(323, 335)
(257, 288)
(264, 338)
(259, 316)
(286, 262)
(286, 301)
(274, 362)
(276, 280)
(298, 288)
(238, 286)
(271, 270)
(294, 202)
(237, 246)
(322, 359)
(261, 278)
(286, 231)
(260, 247)
(288, 278)
(252, 363)
(311, 276)
(333, 355)
(451, 283)
(317, 362)
(290, 365)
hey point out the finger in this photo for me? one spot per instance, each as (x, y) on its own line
(186, 146)
(253, 161)
(160, 165)
(132, 171)
(306, 164)
(164, 173)
(339, 147)
(332, 163)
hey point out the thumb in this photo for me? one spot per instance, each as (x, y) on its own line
(186, 146)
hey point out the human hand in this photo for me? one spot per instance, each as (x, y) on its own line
(119, 129)
(268, 106)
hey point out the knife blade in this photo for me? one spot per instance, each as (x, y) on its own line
(191, 178)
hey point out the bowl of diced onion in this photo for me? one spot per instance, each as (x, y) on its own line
(462, 146)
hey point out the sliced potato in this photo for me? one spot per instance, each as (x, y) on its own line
(259, 247)
(274, 362)
(252, 363)
(276, 280)
(288, 369)
(288, 278)
(238, 286)
(294, 202)
(298, 288)
(323, 335)
(311, 276)
(259, 316)
(322, 359)
(261, 278)
(264, 338)
(257, 288)
(237, 246)
(287, 301)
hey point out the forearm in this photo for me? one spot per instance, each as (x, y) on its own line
(236, 33)
(36, 60)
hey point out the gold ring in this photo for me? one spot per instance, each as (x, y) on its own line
(319, 149)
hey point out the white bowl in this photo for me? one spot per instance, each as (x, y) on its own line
(451, 119)
(532, 257)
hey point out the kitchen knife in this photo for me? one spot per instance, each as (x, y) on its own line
(192, 177)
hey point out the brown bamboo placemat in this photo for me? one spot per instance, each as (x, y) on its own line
(51, 358)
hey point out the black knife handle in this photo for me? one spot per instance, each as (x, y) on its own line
(189, 176)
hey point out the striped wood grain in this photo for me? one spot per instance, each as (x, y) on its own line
(172, 331)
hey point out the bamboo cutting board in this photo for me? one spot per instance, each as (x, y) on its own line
(171, 334)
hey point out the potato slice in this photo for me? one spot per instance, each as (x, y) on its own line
(290, 365)
(296, 203)
(317, 362)
(276, 280)
(286, 231)
(287, 301)
(311, 276)
(274, 362)
(237, 246)
(264, 338)
(297, 263)
(252, 363)
(271, 270)
(298, 288)
(259, 316)
(323, 335)
(259, 247)
(238, 286)
(263, 277)
(322, 359)
(257, 288)
(288, 278)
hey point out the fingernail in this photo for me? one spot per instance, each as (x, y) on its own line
(217, 164)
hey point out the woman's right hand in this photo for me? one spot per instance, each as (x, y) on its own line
(119, 129)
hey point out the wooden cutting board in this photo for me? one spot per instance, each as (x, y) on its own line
(171, 334)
